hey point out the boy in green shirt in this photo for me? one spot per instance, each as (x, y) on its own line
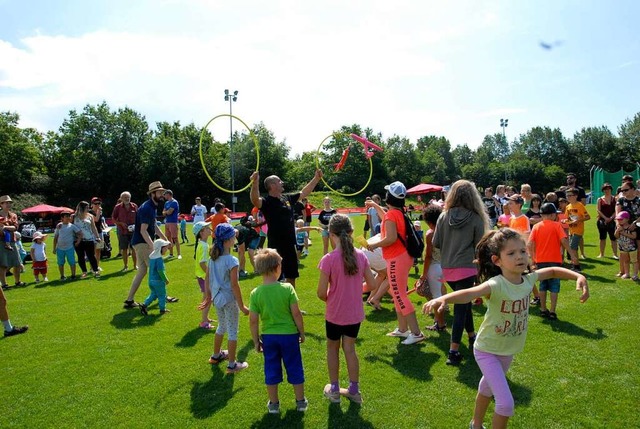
(282, 329)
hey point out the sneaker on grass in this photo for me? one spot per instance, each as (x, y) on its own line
(224, 354)
(237, 367)
(412, 339)
(333, 397)
(302, 405)
(354, 397)
(454, 358)
(17, 330)
(398, 333)
(273, 408)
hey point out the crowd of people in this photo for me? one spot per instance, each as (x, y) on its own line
(491, 246)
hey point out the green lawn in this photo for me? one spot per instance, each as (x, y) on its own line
(86, 362)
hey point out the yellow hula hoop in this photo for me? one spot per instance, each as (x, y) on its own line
(255, 142)
(329, 186)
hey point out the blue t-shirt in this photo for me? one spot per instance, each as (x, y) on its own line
(220, 279)
(173, 217)
(146, 214)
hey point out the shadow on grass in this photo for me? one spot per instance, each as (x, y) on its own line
(521, 394)
(571, 329)
(212, 395)
(131, 319)
(600, 279)
(349, 419)
(384, 315)
(410, 361)
(192, 337)
(51, 283)
(291, 419)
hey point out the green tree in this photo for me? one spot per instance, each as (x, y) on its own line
(630, 142)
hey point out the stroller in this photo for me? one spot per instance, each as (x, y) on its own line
(106, 250)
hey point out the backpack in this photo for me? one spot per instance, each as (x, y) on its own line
(414, 242)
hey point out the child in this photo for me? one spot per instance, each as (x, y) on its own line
(302, 233)
(223, 290)
(158, 279)
(21, 251)
(518, 221)
(418, 227)
(66, 235)
(432, 270)
(627, 246)
(502, 258)
(183, 230)
(576, 216)
(282, 329)
(505, 217)
(340, 286)
(545, 247)
(534, 210)
(379, 266)
(202, 231)
(39, 256)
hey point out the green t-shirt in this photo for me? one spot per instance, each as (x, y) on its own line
(202, 255)
(273, 303)
(504, 328)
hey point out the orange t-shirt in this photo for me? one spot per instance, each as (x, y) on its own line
(397, 248)
(215, 220)
(547, 237)
(520, 224)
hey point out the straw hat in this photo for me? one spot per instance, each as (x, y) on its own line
(5, 198)
(155, 186)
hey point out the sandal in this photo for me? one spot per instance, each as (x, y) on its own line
(206, 325)
(224, 354)
(374, 305)
(436, 327)
(545, 313)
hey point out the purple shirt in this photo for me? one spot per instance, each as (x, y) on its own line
(344, 297)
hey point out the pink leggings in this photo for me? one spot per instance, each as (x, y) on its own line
(494, 380)
(398, 274)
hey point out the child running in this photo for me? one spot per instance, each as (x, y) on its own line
(282, 329)
(202, 231)
(340, 286)
(39, 256)
(502, 258)
(158, 279)
(223, 290)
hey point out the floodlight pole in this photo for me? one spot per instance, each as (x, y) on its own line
(504, 123)
(231, 97)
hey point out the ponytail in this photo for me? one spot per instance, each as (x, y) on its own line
(340, 225)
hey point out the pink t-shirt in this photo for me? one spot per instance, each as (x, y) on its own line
(344, 297)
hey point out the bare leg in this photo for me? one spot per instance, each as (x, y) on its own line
(350, 356)
(233, 346)
(217, 344)
(298, 389)
(3, 275)
(543, 301)
(480, 410)
(499, 422)
(554, 301)
(333, 360)
(602, 246)
(272, 391)
(61, 269)
(125, 257)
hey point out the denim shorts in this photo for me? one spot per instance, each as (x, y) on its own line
(551, 285)
(574, 241)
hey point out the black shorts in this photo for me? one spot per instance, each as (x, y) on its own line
(336, 332)
(289, 259)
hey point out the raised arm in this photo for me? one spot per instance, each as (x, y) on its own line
(311, 185)
(256, 200)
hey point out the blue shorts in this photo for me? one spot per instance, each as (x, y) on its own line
(551, 285)
(278, 349)
(325, 232)
(69, 255)
(253, 244)
(574, 241)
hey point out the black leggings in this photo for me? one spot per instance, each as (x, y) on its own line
(87, 247)
(462, 316)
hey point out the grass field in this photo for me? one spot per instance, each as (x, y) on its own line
(86, 362)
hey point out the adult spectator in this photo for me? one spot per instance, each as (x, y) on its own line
(492, 205)
(86, 248)
(124, 216)
(9, 329)
(501, 195)
(144, 231)
(277, 210)
(9, 256)
(606, 207)
(372, 216)
(170, 212)
(101, 224)
(198, 211)
(572, 183)
(458, 231)
(525, 193)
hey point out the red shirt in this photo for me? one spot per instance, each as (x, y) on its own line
(125, 215)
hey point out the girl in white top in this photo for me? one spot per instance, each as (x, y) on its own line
(503, 258)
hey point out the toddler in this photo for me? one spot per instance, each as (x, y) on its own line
(39, 256)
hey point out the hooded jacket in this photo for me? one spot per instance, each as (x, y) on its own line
(457, 233)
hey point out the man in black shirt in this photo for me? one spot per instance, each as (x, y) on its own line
(277, 209)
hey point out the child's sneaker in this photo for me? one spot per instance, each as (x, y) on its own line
(17, 330)
(273, 408)
(224, 354)
(398, 333)
(45, 279)
(302, 405)
(471, 426)
(143, 309)
(454, 358)
(333, 397)
(237, 367)
(354, 397)
(412, 339)
(535, 301)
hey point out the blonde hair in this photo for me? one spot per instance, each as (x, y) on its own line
(267, 261)
(340, 225)
(464, 194)
(299, 223)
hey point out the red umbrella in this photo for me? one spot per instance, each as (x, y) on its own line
(44, 209)
(424, 188)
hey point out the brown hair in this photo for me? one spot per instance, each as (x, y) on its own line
(267, 261)
(340, 225)
(491, 244)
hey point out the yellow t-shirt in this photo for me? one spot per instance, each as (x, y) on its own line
(504, 328)
(576, 211)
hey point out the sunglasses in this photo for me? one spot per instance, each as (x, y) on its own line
(625, 189)
(571, 195)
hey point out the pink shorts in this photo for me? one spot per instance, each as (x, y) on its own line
(171, 231)
(398, 275)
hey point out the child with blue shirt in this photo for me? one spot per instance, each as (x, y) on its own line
(158, 279)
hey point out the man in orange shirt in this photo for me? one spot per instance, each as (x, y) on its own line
(545, 245)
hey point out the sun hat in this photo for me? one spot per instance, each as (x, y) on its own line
(155, 186)
(623, 215)
(38, 234)
(548, 208)
(5, 199)
(397, 189)
(199, 226)
(157, 248)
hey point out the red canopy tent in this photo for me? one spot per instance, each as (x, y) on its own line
(45, 209)
(424, 188)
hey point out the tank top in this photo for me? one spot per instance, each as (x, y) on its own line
(607, 209)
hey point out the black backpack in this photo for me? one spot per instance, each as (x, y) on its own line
(414, 242)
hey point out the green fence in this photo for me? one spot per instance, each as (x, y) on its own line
(600, 177)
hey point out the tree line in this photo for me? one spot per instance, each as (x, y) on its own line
(101, 152)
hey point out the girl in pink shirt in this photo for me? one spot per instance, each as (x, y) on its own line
(340, 285)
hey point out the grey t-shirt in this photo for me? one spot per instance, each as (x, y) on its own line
(66, 235)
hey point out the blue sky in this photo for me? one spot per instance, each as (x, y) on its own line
(410, 68)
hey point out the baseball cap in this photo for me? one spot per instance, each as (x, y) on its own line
(517, 198)
(198, 227)
(397, 189)
(548, 208)
(623, 215)
(96, 200)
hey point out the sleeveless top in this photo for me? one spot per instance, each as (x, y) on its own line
(607, 209)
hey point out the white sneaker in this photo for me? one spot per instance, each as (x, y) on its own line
(412, 339)
(179, 256)
(46, 279)
(333, 397)
(398, 333)
(239, 366)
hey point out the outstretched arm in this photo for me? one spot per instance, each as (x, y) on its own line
(255, 191)
(564, 274)
(311, 185)
(458, 297)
